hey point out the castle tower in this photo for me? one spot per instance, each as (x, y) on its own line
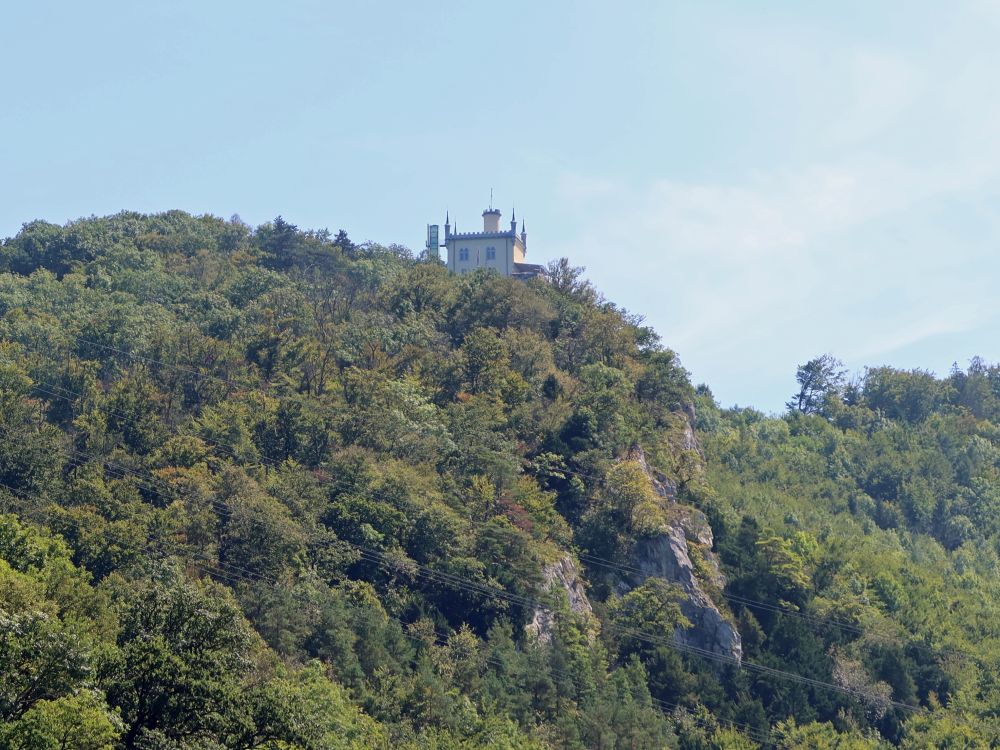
(491, 220)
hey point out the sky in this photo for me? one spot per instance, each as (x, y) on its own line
(763, 182)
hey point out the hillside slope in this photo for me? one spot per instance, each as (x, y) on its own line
(270, 489)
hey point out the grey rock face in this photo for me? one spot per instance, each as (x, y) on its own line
(564, 577)
(688, 440)
(668, 556)
(696, 527)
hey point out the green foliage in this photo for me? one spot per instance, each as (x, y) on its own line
(819, 379)
(81, 721)
(653, 607)
(182, 650)
(270, 488)
(815, 736)
(859, 520)
(908, 396)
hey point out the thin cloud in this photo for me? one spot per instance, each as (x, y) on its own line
(832, 255)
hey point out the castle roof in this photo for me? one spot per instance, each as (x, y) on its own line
(483, 235)
(528, 269)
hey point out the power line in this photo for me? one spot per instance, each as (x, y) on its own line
(187, 370)
(51, 389)
(59, 392)
(234, 574)
(216, 571)
(464, 584)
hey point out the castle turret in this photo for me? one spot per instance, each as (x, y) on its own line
(491, 220)
(513, 221)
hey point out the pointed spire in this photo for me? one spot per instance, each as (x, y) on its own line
(513, 217)
(447, 219)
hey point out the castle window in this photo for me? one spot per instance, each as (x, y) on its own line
(491, 253)
(463, 254)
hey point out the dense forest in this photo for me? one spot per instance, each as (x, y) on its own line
(269, 488)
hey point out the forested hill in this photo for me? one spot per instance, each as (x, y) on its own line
(267, 488)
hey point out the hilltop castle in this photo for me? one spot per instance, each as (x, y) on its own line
(493, 248)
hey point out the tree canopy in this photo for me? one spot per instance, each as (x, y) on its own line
(271, 488)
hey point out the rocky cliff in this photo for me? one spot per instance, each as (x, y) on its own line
(680, 553)
(669, 554)
(563, 579)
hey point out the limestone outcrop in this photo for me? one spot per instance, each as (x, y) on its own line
(680, 553)
(563, 578)
(668, 556)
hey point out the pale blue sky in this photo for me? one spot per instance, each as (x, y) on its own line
(763, 181)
